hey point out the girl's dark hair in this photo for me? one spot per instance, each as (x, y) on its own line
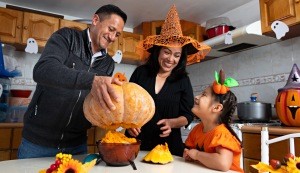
(229, 102)
(106, 10)
(178, 72)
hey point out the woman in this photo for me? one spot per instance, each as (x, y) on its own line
(164, 76)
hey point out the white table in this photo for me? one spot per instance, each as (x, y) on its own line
(36, 164)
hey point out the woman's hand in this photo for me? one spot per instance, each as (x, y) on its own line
(103, 91)
(165, 127)
(134, 131)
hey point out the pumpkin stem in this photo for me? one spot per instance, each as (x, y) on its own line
(222, 77)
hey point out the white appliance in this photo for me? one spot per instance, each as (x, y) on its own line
(244, 38)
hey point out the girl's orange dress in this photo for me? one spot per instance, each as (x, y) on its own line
(209, 141)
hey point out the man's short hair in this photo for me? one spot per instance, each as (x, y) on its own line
(107, 10)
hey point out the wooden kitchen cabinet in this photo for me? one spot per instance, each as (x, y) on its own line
(11, 135)
(72, 24)
(17, 26)
(11, 25)
(39, 27)
(127, 42)
(252, 144)
(287, 11)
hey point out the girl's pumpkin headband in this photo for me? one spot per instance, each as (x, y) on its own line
(222, 85)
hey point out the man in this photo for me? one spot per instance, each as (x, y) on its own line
(72, 64)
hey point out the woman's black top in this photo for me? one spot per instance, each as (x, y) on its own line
(174, 99)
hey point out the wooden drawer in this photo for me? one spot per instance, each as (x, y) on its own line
(5, 138)
(252, 148)
(91, 136)
(4, 155)
(92, 149)
(247, 165)
(16, 138)
(14, 154)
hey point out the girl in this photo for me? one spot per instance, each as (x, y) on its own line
(212, 142)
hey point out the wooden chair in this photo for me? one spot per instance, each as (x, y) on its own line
(265, 142)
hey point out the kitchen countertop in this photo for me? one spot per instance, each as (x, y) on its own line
(280, 130)
(177, 166)
(9, 125)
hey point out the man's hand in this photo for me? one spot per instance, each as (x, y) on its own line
(103, 91)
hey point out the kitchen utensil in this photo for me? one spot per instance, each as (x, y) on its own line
(254, 110)
(20, 93)
(218, 30)
(218, 26)
(119, 154)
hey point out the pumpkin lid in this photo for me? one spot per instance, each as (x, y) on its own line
(293, 81)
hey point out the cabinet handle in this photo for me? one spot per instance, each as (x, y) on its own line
(25, 27)
(121, 44)
(19, 27)
(297, 1)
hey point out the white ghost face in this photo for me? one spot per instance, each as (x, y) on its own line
(279, 28)
(118, 56)
(32, 46)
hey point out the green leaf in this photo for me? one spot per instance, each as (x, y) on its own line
(217, 77)
(230, 82)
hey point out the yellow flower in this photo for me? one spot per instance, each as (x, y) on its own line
(43, 171)
(292, 165)
(72, 166)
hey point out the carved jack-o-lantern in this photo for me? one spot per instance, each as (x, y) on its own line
(287, 107)
(288, 100)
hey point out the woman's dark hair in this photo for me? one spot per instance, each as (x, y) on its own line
(178, 72)
(106, 10)
(229, 102)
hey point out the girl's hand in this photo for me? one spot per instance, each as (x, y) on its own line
(192, 154)
(186, 156)
(165, 127)
(134, 131)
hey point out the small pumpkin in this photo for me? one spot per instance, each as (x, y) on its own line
(121, 76)
(221, 85)
(135, 108)
(287, 102)
(159, 154)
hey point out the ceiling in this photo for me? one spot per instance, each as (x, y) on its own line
(138, 11)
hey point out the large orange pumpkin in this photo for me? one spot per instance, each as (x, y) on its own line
(287, 107)
(288, 100)
(135, 108)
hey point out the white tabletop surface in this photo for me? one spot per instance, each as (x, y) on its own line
(36, 164)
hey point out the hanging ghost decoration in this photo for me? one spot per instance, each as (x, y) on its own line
(118, 56)
(280, 29)
(31, 46)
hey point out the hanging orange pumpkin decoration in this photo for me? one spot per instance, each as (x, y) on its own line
(287, 102)
(134, 109)
(221, 85)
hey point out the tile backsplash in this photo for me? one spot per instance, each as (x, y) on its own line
(262, 70)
